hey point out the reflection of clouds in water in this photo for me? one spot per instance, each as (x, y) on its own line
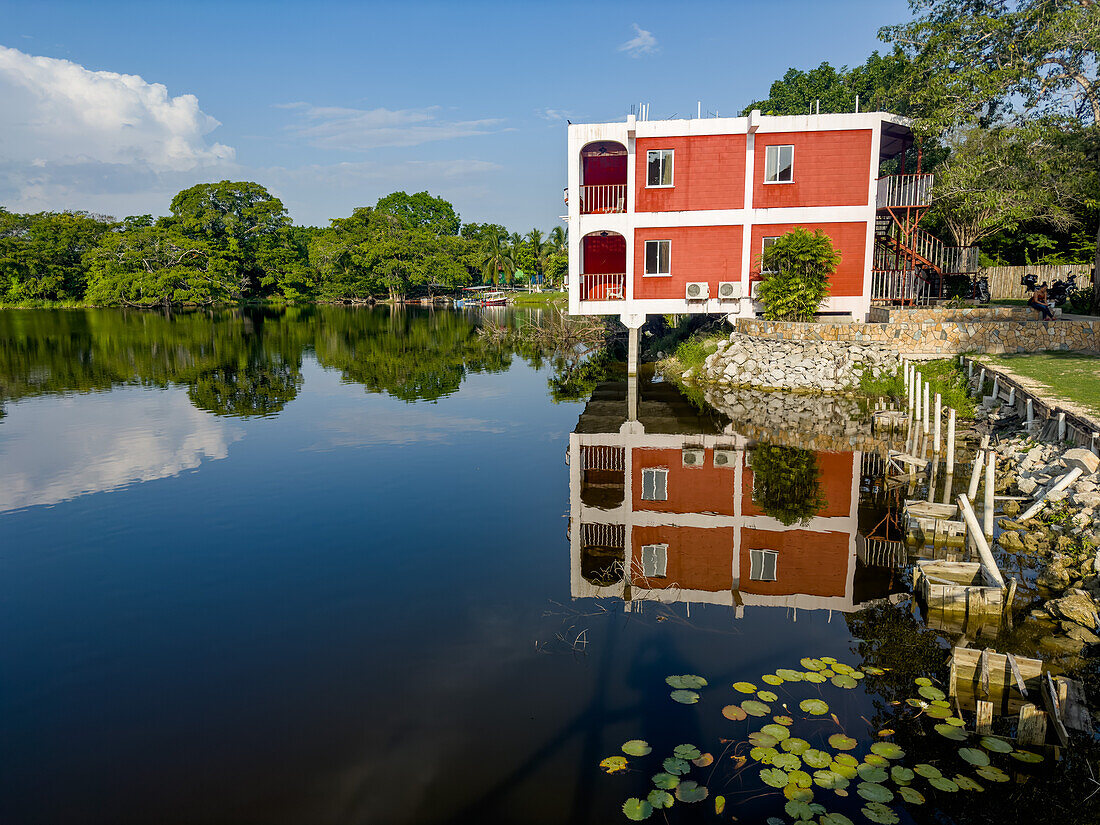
(355, 428)
(54, 449)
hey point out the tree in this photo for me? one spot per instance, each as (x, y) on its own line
(421, 211)
(796, 269)
(539, 250)
(557, 240)
(786, 483)
(41, 254)
(497, 260)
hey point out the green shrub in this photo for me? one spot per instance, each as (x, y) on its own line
(798, 267)
(786, 483)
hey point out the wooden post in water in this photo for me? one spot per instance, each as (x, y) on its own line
(937, 426)
(1032, 729)
(927, 423)
(981, 385)
(988, 562)
(950, 441)
(990, 481)
(983, 725)
(976, 474)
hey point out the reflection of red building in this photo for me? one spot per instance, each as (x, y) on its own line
(669, 516)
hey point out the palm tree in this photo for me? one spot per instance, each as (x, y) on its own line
(539, 250)
(557, 240)
(496, 258)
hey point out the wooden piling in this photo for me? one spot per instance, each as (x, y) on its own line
(1062, 484)
(950, 442)
(983, 724)
(996, 387)
(990, 482)
(1030, 412)
(927, 423)
(976, 474)
(1061, 426)
(981, 385)
(989, 564)
(1032, 728)
(937, 425)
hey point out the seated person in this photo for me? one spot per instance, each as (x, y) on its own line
(1038, 302)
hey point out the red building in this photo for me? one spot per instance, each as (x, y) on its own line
(671, 216)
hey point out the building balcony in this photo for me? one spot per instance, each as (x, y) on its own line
(603, 178)
(603, 286)
(901, 191)
(603, 199)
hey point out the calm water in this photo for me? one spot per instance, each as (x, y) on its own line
(338, 566)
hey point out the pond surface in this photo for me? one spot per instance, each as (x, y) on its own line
(362, 566)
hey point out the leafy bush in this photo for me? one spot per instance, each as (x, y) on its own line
(1081, 302)
(786, 483)
(797, 269)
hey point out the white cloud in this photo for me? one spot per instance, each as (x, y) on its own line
(553, 115)
(642, 43)
(335, 127)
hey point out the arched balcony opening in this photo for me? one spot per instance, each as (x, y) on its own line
(603, 267)
(603, 178)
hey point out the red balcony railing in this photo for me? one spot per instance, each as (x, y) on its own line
(603, 198)
(603, 287)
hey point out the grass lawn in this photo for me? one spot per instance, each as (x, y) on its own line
(539, 299)
(1069, 375)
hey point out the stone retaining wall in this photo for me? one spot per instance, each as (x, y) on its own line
(937, 314)
(939, 337)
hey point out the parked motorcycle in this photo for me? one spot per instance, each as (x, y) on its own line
(981, 290)
(1057, 293)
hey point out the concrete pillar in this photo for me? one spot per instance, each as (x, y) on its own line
(632, 351)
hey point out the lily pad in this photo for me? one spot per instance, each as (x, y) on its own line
(816, 758)
(828, 673)
(765, 755)
(977, 758)
(774, 777)
(690, 791)
(1026, 756)
(874, 792)
(930, 692)
(871, 773)
(844, 758)
(830, 780)
(686, 752)
(801, 811)
(792, 791)
(676, 765)
(843, 680)
(936, 712)
(942, 783)
(744, 687)
(847, 771)
(637, 809)
(767, 696)
(827, 659)
(771, 679)
(876, 760)
(659, 799)
(685, 697)
(911, 795)
(951, 732)
(734, 712)
(788, 675)
(816, 707)
(755, 708)
(613, 764)
(888, 750)
(967, 784)
(901, 775)
(915, 703)
(956, 721)
(833, 818)
(665, 781)
(814, 677)
(882, 814)
(687, 682)
(812, 664)
(856, 674)
(993, 774)
(800, 779)
(780, 732)
(719, 804)
(873, 670)
(787, 761)
(927, 771)
(795, 745)
(922, 681)
(636, 747)
(993, 743)
(763, 740)
(784, 720)
(840, 742)
(703, 760)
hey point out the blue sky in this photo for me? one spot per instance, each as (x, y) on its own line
(332, 105)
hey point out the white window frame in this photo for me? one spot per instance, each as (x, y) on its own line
(763, 246)
(778, 147)
(653, 471)
(757, 557)
(671, 159)
(658, 556)
(645, 260)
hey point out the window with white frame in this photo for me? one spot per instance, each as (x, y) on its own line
(657, 254)
(762, 564)
(767, 242)
(654, 560)
(778, 164)
(654, 484)
(658, 167)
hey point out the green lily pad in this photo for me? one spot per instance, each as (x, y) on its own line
(833, 818)
(795, 745)
(936, 712)
(830, 780)
(927, 771)
(967, 784)
(943, 703)
(613, 764)
(847, 771)
(840, 742)
(871, 773)
(922, 681)
(792, 791)
(687, 682)
(690, 791)
(911, 795)
(827, 659)
(814, 677)
(882, 814)
(755, 708)
(951, 732)
(665, 781)
(993, 774)
(788, 675)
(685, 697)
(874, 792)
(816, 758)
(676, 765)
(686, 752)
(844, 758)
(734, 713)
(1026, 756)
(815, 707)
(942, 783)
(840, 667)
(771, 679)
(763, 740)
(930, 692)
(636, 747)
(876, 760)
(780, 732)
(637, 809)
(659, 799)
(812, 664)
(873, 670)
(801, 811)
(856, 674)
(787, 761)
(956, 721)
(901, 775)
(828, 673)
(774, 777)
(784, 720)
(843, 680)
(975, 757)
(993, 743)
(744, 687)
(767, 696)
(703, 760)
(800, 779)
(915, 703)
(719, 804)
(765, 755)
(888, 750)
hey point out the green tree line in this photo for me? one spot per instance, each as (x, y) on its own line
(233, 242)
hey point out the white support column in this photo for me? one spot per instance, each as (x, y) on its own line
(926, 421)
(937, 425)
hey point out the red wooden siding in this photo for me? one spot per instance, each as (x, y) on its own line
(698, 558)
(704, 489)
(814, 564)
(708, 172)
(836, 481)
(849, 238)
(830, 169)
(698, 253)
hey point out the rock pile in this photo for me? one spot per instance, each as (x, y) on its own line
(798, 366)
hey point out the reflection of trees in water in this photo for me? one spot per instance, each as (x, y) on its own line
(786, 483)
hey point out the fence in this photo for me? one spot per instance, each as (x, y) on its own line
(1004, 281)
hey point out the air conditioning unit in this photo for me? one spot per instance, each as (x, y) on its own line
(693, 457)
(697, 291)
(729, 291)
(725, 458)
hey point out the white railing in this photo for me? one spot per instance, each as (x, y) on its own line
(603, 458)
(604, 286)
(603, 535)
(603, 198)
(904, 190)
(898, 285)
(882, 553)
